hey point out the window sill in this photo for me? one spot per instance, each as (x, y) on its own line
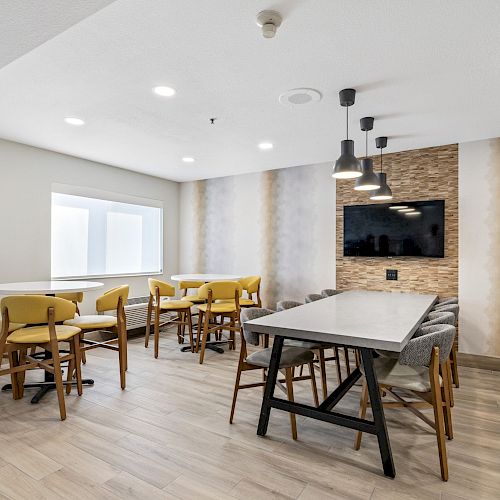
(105, 276)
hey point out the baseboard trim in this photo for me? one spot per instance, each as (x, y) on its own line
(477, 361)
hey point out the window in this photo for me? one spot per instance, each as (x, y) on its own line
(97, 237)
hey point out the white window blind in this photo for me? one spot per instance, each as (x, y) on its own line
(97, 237)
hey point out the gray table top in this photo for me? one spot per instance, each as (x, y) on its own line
(380, 320)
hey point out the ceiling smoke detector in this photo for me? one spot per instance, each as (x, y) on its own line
(269, 21)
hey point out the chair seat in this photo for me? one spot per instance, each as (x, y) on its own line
(290, 356)
(391, 373)
(221, 307)
(41, 335)
(92, 321)
(305, 344)
(12, 326)
(175, 304)
(193, 298)
(243, 302)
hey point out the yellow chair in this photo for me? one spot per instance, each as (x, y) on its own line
(223, 301)
(185, 286)
(75, 297)
(157, 290)
(43, 313)
(251, 285)
(112, 300)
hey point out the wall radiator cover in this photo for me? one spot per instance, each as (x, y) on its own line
(136, 312)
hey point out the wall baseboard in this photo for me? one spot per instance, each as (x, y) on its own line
(477, 361)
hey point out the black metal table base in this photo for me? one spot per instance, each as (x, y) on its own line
(45, 387)
(323, 411)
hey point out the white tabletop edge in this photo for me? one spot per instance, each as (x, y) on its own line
(48, 287)
(344, 339)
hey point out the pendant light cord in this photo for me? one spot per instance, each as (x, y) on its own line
(347, 123)
(381, 160)
(366, 144)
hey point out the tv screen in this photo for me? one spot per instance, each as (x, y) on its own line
(404, 229)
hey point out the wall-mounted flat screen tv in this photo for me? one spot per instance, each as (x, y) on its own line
(403, 229)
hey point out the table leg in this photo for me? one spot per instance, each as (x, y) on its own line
(378, 413)
(272, 375)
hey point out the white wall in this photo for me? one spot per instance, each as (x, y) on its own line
(26, 176)
(479, 247)
(278, 224)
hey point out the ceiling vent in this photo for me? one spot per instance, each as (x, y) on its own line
(298, 97)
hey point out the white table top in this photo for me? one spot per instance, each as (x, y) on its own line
(207, 278)
(380, 320)
(48, 287)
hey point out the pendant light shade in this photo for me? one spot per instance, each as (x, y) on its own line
(369, 181)
(384, 192)
(347, 166)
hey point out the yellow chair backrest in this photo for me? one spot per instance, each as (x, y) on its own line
(186, 285)
(108, 301)
(221, 290)
(34, 309)
(73, 297)
(250, 283)
(166, 289)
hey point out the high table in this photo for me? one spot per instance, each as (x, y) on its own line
(50, 288)
(359, 319)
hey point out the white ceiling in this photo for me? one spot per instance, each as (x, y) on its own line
(428, 72)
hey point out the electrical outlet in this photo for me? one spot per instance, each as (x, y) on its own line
(391, 274)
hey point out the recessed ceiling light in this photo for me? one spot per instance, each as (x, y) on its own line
(398, 207)
(406, 210)
(413, 213)
(164, 91)
(73, 120)
(297, 97)
(188, 159)
(266, 145)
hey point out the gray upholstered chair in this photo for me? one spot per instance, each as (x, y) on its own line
(420, 369)
(313, 297)
(455, 309)
(447, 300)
(291, 357)
(329, 292)
(317, 347)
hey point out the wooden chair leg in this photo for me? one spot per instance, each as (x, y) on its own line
(451, 398)
(289, 390)
(21, 376)
(236, 388)
(71, 366)
(206, 326)
(337, 363)
(199, 330)
(14, 362)
(54, 346)
(84, 355)
(437, 404)
(190, 327)
(314, 387)
(363, 403)
(157, 332)
(322, 371)
(78, 365)
(122, 357)
(445, 396)
(454, 364)
(148, 324)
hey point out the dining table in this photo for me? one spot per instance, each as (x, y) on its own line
(359, 319)
(50, 288)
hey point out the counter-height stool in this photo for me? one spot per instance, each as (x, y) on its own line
(453, 307)
(186, 287)
(251, 285)
(318, 348)
(160, 305)
(420, 369)
(222, 302)
(112, 300)
(291, 358)
(42, 312)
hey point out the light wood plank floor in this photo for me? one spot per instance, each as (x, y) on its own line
(168, 436)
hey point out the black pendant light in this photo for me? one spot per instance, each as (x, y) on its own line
(384, 191)
(347, 166)
(369, 181)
